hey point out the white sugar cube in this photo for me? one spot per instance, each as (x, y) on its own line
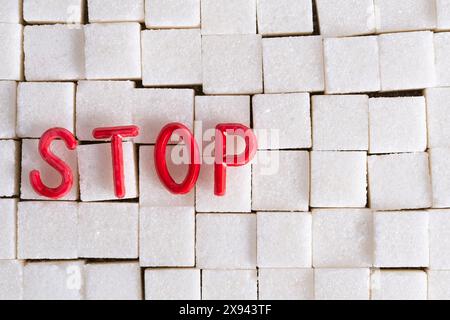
(340, 123)
(438, 285)
(338, 179)
(11, 280)
(171, 57)
(232, 64)
(113, 50)
(110, 108)
(399, 181)
(31, 160)
(226, 241)
(282, 121)
(116, 10)
(11, 52)
(53, 280)
(11, 11)
(169, 14)
(342, 284)
(47, 230)
(228, 17)
(438, 117)
(397, 125)
(406, 61)
(172, 284)
(54, 52)
(286, 284)
(113, 281)
(440, 174)
(293, 64)
(281, 181)
(443, 14)
(405, 15)
(442, 52)
(53, 11)
(346, 17)
(342, 238)
(9, 164)
(108, 230)
(151, 191)
(399, 285)
(41, 106)
(351, 65)
(401, 239)
(8, 220)
(282, 18)
(229, 285)
(98, 184)
(284, 240)
(167, 237)
(8, 101)
(439, 239)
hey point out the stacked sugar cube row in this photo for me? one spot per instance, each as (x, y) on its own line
(348, 197)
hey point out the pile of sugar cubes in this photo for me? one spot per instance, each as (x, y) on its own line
(348, 196)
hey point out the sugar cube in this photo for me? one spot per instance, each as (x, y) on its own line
(113, 50)
(226, 241)
(399, 285)
(399, 181)
(172, 284)
(281, 181)
(11, 52)
(151, 191)
(108, 230)
(11, 11)
(53, 280)
(167, 237)
(438, 117)
(171, 57)
(351, 65)
(438, 285)
(209, 112)
(53, 11)
(282, 121)
(440, 174)
(47, 230)
(397, 125)
(338, 179)
(8, 101)
(439, 239)
(113, 281)
(401, 239)
(342, 284)
(54, 53)
(342, 238)
(116, 11)
(340, 123)
(41, 106)
(443, 14)
(406, 61)
(169, 14)
(9, 162)
(442, 51)
(229, 285)
(286, 284)
(228, 17)
(11, 280)
(293, 64)
(346, 17)
(8, 217)
(405, 15)
(282, 18)
(232, 64)
(110, 108)
(98, 185)
(284, 240)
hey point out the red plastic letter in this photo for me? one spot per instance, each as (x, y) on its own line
(116, 134)
(48, 156)
(223, 160)
(161, 164)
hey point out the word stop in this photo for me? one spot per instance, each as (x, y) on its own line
(116, 134)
